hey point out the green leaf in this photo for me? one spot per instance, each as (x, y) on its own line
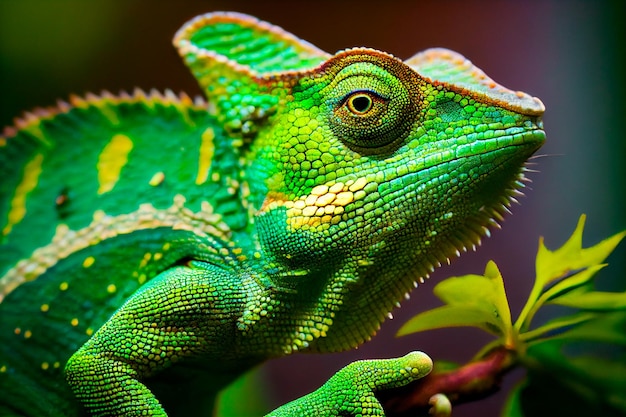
(555, 325)
(596, 300)
(451, 316)
(472, 300)
(606, 328)
(555, 268)
(553, 265)
(572, 282)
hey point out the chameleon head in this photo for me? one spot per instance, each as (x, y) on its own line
(360, 158)
(377, 160)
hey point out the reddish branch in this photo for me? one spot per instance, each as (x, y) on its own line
(470, 382)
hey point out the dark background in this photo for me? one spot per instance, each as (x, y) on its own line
(568, 53)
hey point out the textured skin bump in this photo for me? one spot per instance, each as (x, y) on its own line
(155, 247)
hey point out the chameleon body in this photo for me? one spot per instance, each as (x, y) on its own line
(154, 247)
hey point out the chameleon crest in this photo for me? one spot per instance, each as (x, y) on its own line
(155, 247)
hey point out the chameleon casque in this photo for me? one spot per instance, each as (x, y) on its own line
(154, 247)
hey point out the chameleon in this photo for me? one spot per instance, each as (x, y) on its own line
(154, 246)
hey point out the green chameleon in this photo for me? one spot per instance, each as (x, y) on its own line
(155, 247)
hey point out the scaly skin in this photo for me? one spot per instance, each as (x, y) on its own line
(156, 248)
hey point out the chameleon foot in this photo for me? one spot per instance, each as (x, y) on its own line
(350, 391)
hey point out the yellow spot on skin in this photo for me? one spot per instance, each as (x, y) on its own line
(336, 188)
(325, 199)
(309, 211)
(30, 177)
(146, 258)
(296, 222)
(206, 155)
(343, 199)
(142, 278)
(3, 369)
(74, 322)
(45, 308)
(45, 366)
(166, 246)
(56, 365)
(17, 330)
(89, 331)
(64, 286)
(358, 184)
(88, 261)
(157, 179)
(157, 256)
(111, 161)
(111, 288)
(323, 206)
(319, 190)
(98, 215)
(28, 334)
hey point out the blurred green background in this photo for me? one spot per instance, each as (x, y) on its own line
(570, 54)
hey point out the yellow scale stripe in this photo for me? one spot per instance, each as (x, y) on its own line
(67, 242)
(112, 159)
(324, 205)
(206, 155)
(30, 178)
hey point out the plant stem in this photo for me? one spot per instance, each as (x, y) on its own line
(470, 382)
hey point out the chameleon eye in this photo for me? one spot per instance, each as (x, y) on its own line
(371, 110)
(361, 107)
(360, 103)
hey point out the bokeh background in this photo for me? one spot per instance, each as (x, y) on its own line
(571, 54)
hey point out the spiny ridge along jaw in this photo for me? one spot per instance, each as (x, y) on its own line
(472, 236)
(489, 217)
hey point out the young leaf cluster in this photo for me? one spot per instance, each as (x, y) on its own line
(561, 356)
